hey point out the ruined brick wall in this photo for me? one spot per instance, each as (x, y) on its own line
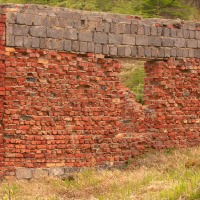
(172, 92)
(62, 105)
(2, 90)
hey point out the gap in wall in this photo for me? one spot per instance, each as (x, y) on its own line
(132, 76)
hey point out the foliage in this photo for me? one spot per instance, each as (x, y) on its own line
(147, 8)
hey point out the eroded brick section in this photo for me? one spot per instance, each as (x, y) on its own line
(2, 90)
(60, 109)
(172, 94)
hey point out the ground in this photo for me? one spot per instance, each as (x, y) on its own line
(167, 175)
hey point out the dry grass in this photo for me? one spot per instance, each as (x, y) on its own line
(167, 175)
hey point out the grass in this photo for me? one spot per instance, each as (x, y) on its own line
(132, 77)
(167, 175)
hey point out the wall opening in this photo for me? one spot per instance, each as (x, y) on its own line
(132, 76)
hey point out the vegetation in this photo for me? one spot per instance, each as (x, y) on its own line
(132, 76)
(168, 175)
(148, 8)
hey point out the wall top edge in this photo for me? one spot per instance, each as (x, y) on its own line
(53, 11)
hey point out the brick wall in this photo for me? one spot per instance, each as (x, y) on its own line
(66, 110)
(2, 89)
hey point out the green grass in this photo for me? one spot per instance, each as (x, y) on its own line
(167, 175)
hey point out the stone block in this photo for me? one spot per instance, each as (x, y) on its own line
(141, 52)
(98, 48)
(154, 52)
(121, 51)
(192, 34)
(85, 36)
(26, 19)
(113, 50)
(173, 33)
(35, 42)
(75, 46)
(191, 53)
(68, 45)
(142, 40)
(134, 28)
(105, 49)
(58, 171)
(154, 31)
(166, 32)
(38, 31)
(147, 52)
(91, 47)
(40, 173)
(18, 41)
(43, 43)
(27, 41)
(155, 41)
(147, 30)
(167, 42)
(101, 38)
(167, 52)
(115, 39)
(134, 52)
(56, 33)
(83, 47)
(10, 40)
(70, 34)
(24, 173)
(186, 34)
(20, 30)
(192, 43)
(127, 51)
(179, 33)
(140, 30)
(180, 42)
(128, 39)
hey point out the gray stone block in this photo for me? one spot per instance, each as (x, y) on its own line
(105, 49)
(134, 52)
(134, 28)
(115, 39)
(26, 19)
(141, 52)
(173, 52)
(192, 43)
(173, 32)
(113, 50)
(68, 45)
(180, 42)
(18, 41)
(147, 30)
(160, 31)
(27, 41)
(192, 34)
(71, 34)
(185, 53)
(179, 53)
(167, 52)
(128, 51)
(83, 47)
(155, 41)
(161, 53)
(191, 53)
(35, 42)
(166, 32)
(10, 40)
(128, 39)
(179, 33)
(43, 43)
(167, 42)
(140, 30)
(11, 17)
(154, 31)
(154, 52)
(198, 35)
(127, 29)
(186, 34)
(56, 33)
(75, 46)
(147, 52)
(142, 40)
(40, 173)
(24, 173)
(101, 38)
(38, 31)
(9, 29)
(20, 30)
(90, 46)
(85, 36)
(56, 171)
(98, 48)
(121, 51)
